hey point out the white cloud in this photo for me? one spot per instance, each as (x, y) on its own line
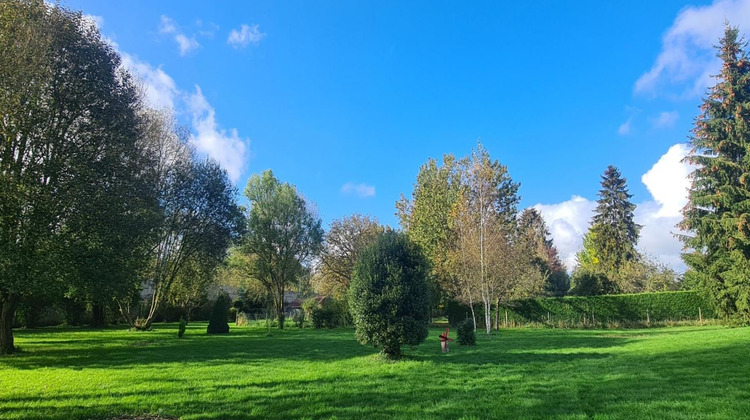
(688, 58)
(167, 26)
(624, 129)
(360, 190)
(161, 92)
(668, 183)
(227, 148)
(159, 88)
(95, 20)
(245, 36)
(568, 222)
(666, 119)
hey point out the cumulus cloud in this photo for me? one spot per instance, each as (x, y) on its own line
(687, 59)
(360, 190)
(245, 35)
(667, 182)
(666, 119)
(159, 88)
(226, 147)
(186, 44)
(568, 222)
(161, 92)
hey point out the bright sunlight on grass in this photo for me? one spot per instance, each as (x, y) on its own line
(681, 372)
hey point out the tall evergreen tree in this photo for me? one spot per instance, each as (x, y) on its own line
(615, 231)
(718, 211)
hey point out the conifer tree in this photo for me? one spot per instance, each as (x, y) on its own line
(615, 231)
(535, 238)
(718, 211)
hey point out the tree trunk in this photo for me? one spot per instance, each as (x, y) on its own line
(473, 315)
(497, 315)
(97, 315)
(7, 315)
(280, 316)
(488, 316)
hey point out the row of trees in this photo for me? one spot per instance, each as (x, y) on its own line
(98, 193)
(464, 215)
(609, 262)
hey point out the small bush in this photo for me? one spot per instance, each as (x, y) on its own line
(233, 314)
(181, 328)
(218, 323)
(299, 319)
(466, 334)
(332, 314)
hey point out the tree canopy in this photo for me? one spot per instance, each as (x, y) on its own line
(282, 236)
(717, 216)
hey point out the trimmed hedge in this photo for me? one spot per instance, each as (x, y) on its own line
(604, 309)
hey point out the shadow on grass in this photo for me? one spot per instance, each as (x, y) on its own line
(520, 374)
(122, 349)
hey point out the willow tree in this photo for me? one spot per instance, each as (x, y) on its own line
(717, 215)
(282, 236)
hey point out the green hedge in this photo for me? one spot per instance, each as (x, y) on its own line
(626, 308)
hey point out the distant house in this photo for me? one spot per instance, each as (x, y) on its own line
(293, 303)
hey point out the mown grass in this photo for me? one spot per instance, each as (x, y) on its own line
(665, 373)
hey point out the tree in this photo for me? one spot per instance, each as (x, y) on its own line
(463, 215)
(717, 215)
(488, 216)
(428, 217)
(191, 285)
(534, 237)
(199, 216)
(389, 295)
(218, 323)
(615, 231)
(344, 242)
(282, 236)
(70, 162)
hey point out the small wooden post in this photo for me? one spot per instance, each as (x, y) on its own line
(700, 315)
(506, 318)
(548, 317)
(648, 318)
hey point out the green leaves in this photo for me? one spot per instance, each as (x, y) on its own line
(389, 297)
(282, 235)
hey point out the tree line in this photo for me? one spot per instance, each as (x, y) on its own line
(103, 199)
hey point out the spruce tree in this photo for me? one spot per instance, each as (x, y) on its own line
(615, 231)
(717, 214)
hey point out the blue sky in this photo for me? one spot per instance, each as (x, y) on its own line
(347, 99)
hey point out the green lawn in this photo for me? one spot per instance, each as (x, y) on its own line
(680, 372)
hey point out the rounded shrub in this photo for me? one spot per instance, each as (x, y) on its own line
(466, 334)
(218, 323)
(389, 296)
